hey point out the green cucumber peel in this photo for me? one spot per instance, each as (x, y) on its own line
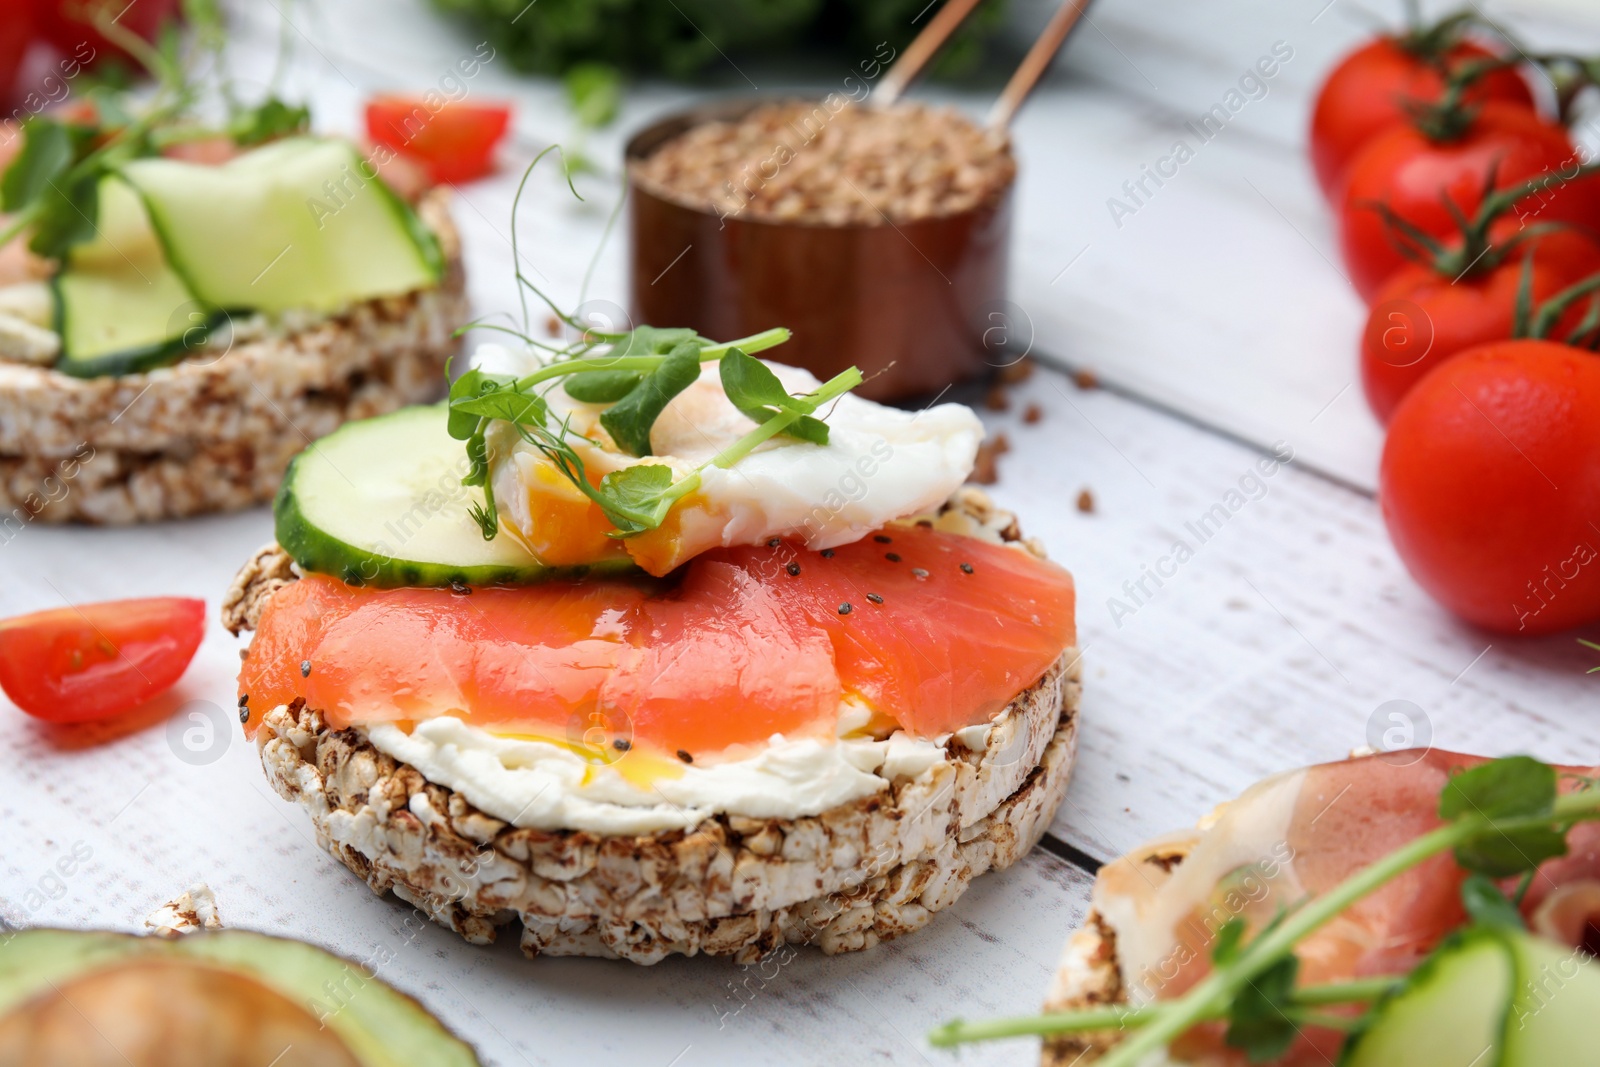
(1502, 818)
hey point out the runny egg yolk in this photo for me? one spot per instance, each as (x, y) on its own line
(637, 765)
(565, 528)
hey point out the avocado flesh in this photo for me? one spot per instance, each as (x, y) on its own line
(335, 1013)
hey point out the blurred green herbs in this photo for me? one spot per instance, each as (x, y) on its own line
(687, 37)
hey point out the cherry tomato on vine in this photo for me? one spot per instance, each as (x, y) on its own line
(1422, 317)
(1369, 89)
(1415, 175)
(94, 661)
(1490, 486)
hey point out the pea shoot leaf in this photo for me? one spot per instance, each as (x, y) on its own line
(1228, 939)
(1487, 905)
(637, 498)
(629, 420)
(1510, 788)
(67, 211)
(760, 396)
(1260, 1022)
(267, 121)
(601, 386)
(47, 152)
(594, 91)
(1500, 789)
(469, 386)
(519, 409)
(652, 341)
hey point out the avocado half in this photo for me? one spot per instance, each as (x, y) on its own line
(86, 998)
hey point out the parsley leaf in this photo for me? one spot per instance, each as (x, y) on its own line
(759, 395)
(629, 420)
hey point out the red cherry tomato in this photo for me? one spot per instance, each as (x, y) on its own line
(1490, 486)
(98, 660)
(67, 25)
(16, 33)
(454, 141)
(1420, 318)
(1414, 175)
(1367, 92)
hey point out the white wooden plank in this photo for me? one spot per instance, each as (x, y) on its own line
(1273, 646)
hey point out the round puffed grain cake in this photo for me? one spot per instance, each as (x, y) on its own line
(863, 872)
(215, 434)
(1090, 976)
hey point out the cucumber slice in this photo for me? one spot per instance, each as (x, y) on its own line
(380, 502)
(120, 308)
(301, 223)
(1451, 1010)
(1490, 998)
(1556, 1009)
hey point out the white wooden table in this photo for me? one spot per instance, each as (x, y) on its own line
(1216, 315)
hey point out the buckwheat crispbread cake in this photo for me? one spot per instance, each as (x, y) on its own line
(216, 433)
(863, 872)
(1089, 975)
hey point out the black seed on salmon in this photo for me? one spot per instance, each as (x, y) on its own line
(621, 744)
(244, 713)
(918, 572)
(685, 756)
(774, 542)
(305, 668)
(966, 568)
(244, 698)
(875, 598)
(845, 609)
(460, 588)
(882, 539)
(926, 524)
(892, 557)
(793, 569)
(827, 553)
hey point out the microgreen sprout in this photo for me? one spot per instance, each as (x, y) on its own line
(640, 372)
(1500, 819)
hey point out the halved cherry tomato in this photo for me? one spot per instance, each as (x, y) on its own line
(1369, 89)
(1420, 317)
(454, 141)
(1415, 176)
(1490, 485)
(98, 660)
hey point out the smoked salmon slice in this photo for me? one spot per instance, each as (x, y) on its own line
(933, 630)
